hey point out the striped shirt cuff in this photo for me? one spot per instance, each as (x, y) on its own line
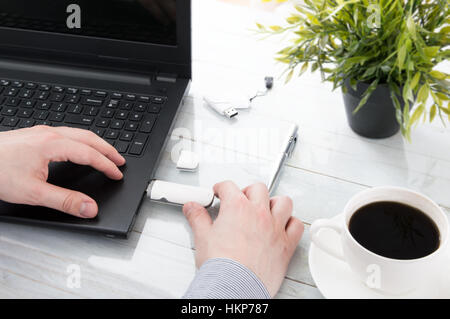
(221, 278)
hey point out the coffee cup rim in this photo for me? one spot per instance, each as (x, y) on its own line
(443, 243)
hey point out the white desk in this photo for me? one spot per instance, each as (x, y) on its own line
(330, 164)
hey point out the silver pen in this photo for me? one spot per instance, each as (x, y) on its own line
(287, 150)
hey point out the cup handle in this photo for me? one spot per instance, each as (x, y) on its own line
(326, 223)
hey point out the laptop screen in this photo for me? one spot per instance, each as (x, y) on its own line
(145, 21)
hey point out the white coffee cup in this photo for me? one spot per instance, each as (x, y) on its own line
(392, 276)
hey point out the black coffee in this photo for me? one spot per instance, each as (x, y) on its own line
(394, 230)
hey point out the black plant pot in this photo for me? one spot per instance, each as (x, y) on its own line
(376, 119)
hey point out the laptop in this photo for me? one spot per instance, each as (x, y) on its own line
(119, 68)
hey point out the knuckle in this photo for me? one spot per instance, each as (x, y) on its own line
(225, 184)
(261, 186)
(68, 202)
(48, 136)
(288, 201)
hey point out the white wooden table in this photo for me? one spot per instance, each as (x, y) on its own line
(330, 165)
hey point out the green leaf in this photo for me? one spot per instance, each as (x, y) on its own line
(275, 28)
(304, 68)
(366, 95)
(431, 52)
(438, 75)
(422, 96)
(289, 76)
(433, 112)
(401, 56)
(415, 81)
(418, 113)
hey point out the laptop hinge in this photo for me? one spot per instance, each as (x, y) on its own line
(166, 77)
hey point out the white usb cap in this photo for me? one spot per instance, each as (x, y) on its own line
(179, 194)
(188, 161)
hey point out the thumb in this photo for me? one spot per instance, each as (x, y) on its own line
(67, 201)
(198, 218)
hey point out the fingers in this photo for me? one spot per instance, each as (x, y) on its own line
(258, 194)
(294, 231)
(69, 150)
(198, 218)
(281, 208)
(227, 191)
(67, 201)
(94, 141)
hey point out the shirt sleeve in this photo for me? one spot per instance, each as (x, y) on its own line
(222, 278)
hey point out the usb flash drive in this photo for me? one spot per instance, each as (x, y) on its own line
(179, 194)
(221, 106)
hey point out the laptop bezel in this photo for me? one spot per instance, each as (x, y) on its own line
(106, 53)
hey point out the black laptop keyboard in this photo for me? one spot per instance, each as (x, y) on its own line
(125, 120)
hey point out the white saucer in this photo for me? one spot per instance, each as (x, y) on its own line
(335, 279)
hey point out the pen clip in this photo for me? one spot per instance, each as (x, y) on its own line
(292, 144)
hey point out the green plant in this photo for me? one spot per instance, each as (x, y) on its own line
(393, 42)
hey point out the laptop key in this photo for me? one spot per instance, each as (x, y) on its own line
(158, 99)
(41, 115)
(138, 144)
(91, 111)
(9, 111)
(112, 134)
(117, 124)
(107, 113)
(11, 121)
(121, 146)
(25, 113)
(42, 95)
(79, 119)
(57, 117)
(26, 123)
(59, 107)
(11, 91)
(122, 115)
(126, 136)
(43, 105)
(130, 126)
(31, 85)
(136, 116)
(44, 87)
(154, 109)
(17, 84)
(72, 99)
(27, 103)
(140, 107)
(72, 90)
(12, 101)
(99, 131)
(102, 123)
(75, 109)
(148, 123)
(91, 101)
(57, 97)
(126, 105)
(26, 94)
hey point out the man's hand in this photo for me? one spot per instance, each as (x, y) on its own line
(26, 153)
(257, 231)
